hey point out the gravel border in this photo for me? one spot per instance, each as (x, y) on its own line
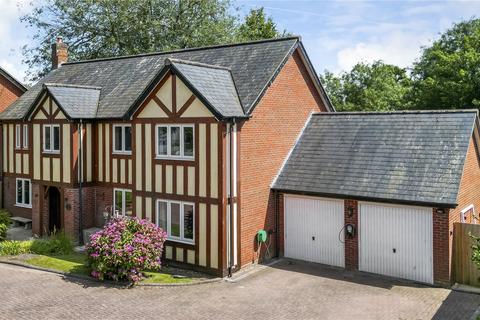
(109, 282)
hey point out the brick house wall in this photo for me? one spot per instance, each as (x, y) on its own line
(10, 194)
(266, 140)
(8, 93)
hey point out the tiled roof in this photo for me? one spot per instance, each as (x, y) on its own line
(123, 80)
(77, 102)
(405, 157)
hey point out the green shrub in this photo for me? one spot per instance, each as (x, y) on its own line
(3, 232)
(5, 217)
(12, 248)
(57, 244)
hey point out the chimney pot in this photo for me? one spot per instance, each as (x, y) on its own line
(59, 53)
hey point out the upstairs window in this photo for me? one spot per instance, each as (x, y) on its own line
(175, 141)
(25, 136)
(51, 138)
(122, 137)
(24, 190)
(18, 137)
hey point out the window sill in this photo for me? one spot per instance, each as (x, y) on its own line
(122, 153)
(51, 152)
(192, 243)
(23, 205)
(174, 158)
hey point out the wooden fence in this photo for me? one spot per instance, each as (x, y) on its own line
(464, 270)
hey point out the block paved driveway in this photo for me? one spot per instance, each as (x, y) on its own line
(288, 290)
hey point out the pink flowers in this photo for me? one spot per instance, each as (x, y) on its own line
(124, 248)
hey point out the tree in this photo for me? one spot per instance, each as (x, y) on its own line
(447, 75)
(104, 28)
(369, 87)
(258, 26)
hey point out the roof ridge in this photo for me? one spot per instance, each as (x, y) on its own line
(440, 111)
(184, 50)
(79, 86)
(169, 61)
(16, 82)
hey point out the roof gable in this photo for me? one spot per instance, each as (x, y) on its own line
(405, 157)
(12, 80)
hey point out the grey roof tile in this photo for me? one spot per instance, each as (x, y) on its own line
(413, 157)
(77, 102)
(124, 79)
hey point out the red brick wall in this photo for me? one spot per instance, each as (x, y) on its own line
(10, 194)
(441, 243)
(266, 140)
(351, 244)
(8, 93)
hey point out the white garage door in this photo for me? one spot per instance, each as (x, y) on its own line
(312, 230)
(396, 241)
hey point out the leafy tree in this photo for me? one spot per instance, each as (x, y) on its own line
(369, 87)
(447, 75)
(258, 26)
(102, 28)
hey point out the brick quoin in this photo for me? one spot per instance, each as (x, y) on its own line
(8, 93)
(266, 140)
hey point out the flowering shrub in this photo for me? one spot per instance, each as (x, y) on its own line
(124, 248)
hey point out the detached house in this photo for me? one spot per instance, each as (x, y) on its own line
(190, 139)
(215, 144)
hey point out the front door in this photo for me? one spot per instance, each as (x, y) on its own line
(55, 221)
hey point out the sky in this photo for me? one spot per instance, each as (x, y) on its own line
(337, 34)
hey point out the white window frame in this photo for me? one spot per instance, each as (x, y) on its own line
(52, 139)
(124, 202)
(18, 137)
(122, 151)
(169, 147)
(23, 203)
(465, 210)
(25, 136)
(182, 204)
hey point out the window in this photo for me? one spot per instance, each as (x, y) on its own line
(177, 219)
(175, 141)
(25, 136)
(122, 201)
(17, 136)
(122, 136)
(51, 138)
(24, 190)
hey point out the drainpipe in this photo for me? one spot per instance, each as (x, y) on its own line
(80, 179)
(231, 201)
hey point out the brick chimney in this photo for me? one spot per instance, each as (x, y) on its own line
(59, 53)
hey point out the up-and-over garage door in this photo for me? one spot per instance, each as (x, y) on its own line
(393, 240)
(313, 230)
(396, 241)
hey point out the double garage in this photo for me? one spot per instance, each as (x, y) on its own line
(379, 192)
(393, 240)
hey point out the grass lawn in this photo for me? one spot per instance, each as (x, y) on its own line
(75, 264)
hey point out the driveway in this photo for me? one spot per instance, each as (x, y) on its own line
(288, 290)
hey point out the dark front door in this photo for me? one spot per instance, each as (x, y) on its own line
(55, 221)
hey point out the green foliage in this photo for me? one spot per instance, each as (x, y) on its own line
(57, 244)
(3, 232)
(97, 29)
(5, 217)
(70, 263)
(447, 76)
(369, 87)
(475, 249)
(257, 26)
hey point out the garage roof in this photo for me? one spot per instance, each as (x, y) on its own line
(402, 157)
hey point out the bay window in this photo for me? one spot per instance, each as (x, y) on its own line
(175, 141)
(177, 219)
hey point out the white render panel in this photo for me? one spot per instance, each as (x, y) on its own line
(396, 241)
(313, 230)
